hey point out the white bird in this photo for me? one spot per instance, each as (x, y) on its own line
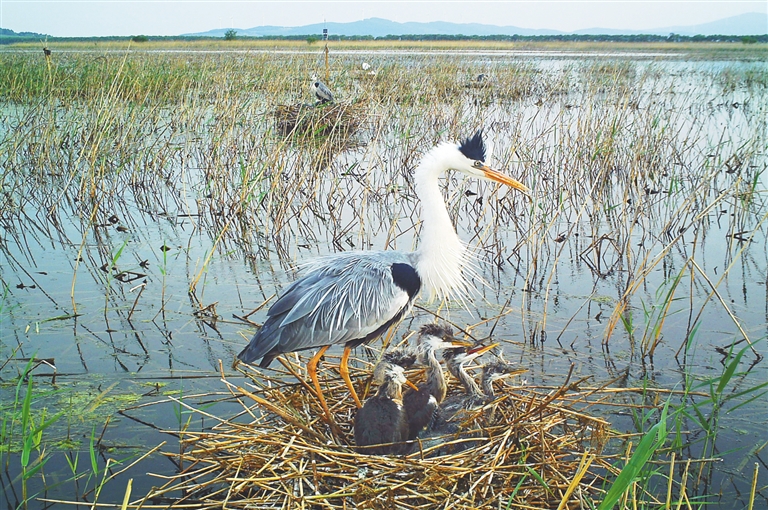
(321, 91)
(352, 298)
(366, 66)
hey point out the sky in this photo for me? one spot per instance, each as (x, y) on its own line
(71, 18)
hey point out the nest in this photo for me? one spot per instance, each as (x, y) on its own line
(319, 119)
(530, 448)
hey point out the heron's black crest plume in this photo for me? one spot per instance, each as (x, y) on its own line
(473, 147)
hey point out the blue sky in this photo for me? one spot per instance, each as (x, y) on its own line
(173, 17)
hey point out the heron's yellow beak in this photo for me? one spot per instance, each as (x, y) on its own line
(457, 342)
(493, 175)
(411, 385)
(449, 341)
(482, 349)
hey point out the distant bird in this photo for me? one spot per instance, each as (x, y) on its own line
(46, 52)
(321, 91)
(352, 298)
(421, 404)
(366, 66)
(482, 77)
(382, 420)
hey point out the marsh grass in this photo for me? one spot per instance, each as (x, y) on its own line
(638, 169)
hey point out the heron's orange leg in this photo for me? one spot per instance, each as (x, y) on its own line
(312, 370)
(344, 371)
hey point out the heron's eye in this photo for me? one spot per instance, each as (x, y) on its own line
(477, 164)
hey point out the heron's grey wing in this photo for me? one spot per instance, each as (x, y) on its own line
(326, 92)
(351, 297)
(322, 92)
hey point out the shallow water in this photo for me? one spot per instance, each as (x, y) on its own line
(98, 284)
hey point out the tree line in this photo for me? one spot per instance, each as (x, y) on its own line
(9, 36)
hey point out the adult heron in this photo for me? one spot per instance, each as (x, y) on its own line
(321, 91)
(381, 425)
(351, 298)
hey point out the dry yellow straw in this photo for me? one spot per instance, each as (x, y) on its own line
(586, 460)
(127, 496)
(669, 483)
(754, 486)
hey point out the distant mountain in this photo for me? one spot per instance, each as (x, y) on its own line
(378, 27)
(753, 23)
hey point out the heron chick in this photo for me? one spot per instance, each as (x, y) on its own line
(381, 424)
(456, 361)
(422, 404)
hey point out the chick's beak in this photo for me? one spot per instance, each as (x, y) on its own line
(495, 176)
(411, 385)
(452, 341)
(481, 349)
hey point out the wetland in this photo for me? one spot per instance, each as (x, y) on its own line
(153, 206)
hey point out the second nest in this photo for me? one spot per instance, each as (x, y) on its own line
(302, 119)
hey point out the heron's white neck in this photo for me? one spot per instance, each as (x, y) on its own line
(441, 254)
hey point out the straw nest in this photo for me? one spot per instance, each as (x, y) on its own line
(530, 448)
(319, 120)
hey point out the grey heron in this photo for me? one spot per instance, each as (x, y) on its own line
(381, 425)
(354, 297)
(493, 371)
(456, 361)
(321, 91)
(422, 404)
(474, 395)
